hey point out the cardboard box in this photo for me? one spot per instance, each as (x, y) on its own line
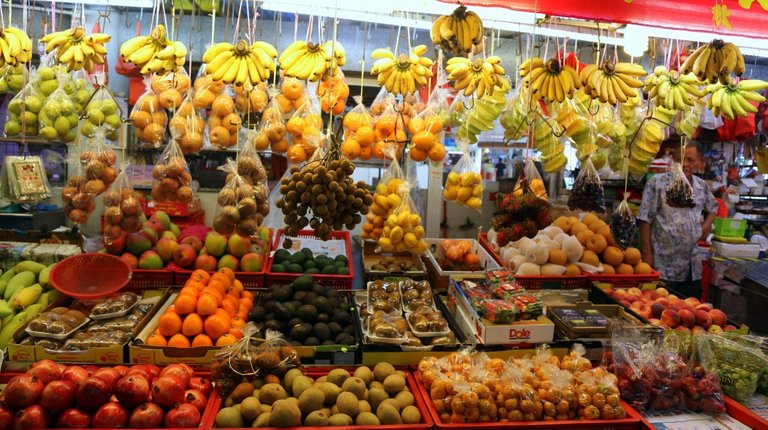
(442, 278)
(527, 332)
(371, 258)
(615, 313)
(112, 354)
(12, 253)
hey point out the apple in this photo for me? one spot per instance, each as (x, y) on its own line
(704, 307)
(718, 317)
(692, 301)
(714, 328)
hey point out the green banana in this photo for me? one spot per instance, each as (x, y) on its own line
(29, 266)
(45, 276)
(5, 310)
(34, 310)
(6, 334)
(19, 281)
(26, 296)
(5, 279)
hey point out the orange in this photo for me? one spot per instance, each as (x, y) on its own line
(206, 304)
(366, 152)
(153, 133)
(140, 119)
(386, 125)
(191, 290)
(148, 103)
(236, 332)
(169, 324)
(179, 341)
(226, 339)
(232, 298)
(160, 117)
(232, 123)
(237, 322)
(223, 105)
(216, 86)
(214, 121)
(314, 121)
(242, 315)
(433, 123)
(378, 149)
(416, 125)
(156, 339)
(223, 314)
(202, 340)
(296, 154)
(292, 88)
(215, 327)
(258, 100)
(246, 295)
(351, 148)
(261, 142)
(364, 135)
(353, 121)
(299, 102)
(237, 287)
(229, 307)
(283, 103)
(220, 136)
(186, 303)
(418, 154)
(226, 275)
(436, 152)
(170, 99)
(424, 140)
(246, 302)
(279, 146)
(192, 326)
(198, 285)
(203, 99)
(295, 125)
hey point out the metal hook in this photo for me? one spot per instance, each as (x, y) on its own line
(537, 48)
(589, 108)
(471, 104)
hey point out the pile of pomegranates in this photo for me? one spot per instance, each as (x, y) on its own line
(141, 396)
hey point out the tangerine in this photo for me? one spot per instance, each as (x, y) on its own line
(156, 339)
(178, 340)
(202, 340)
(169, 324)
(206, 304)
(192, 325)
(186, 302)
(225, 340)
(215, 326)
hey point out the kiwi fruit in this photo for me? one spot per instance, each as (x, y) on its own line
(338, 376)
(311, 399)
(388, 414)
(411, 415)
(347, 403)
(355, 386)
(363, 372)
(250, 408)
(285, 413)
(382, 371)
(330, 391)
(367, 419)
(317, 419)
(394, 384)
(341, 420)
(270, 393)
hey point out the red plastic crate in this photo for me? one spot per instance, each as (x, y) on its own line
(733, 408)
(208, 415)
(426, 418)
(151, 278)
(632, 421)
(625, 281)
(339, 282)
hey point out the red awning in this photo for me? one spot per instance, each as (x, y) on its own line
(693, 15)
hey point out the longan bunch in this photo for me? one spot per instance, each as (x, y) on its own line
(323, 196)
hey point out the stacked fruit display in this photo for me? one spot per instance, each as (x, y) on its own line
(304, 261)
(209, 310)
(365, 398)
(306, 313)
(26, 291)
(51, 395)
(664, 309)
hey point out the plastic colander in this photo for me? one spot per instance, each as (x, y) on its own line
(88, 276)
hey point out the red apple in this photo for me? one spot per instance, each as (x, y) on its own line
(687, 318)
(704, 307)
(702, 318)
(670, 318)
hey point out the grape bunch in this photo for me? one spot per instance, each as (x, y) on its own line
(322, 195)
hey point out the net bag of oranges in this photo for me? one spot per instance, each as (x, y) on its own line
(171, 177)
(149, 118)
(305, 130)
(464, 185)
(187, 126)
(358, 132)
(333, 93)
(426, 130)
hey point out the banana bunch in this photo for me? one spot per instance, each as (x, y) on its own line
(476, 76)
(545, 141)
(549, 80)
(612, 82)
(733, 100)
(673, 91)
(458, 32)
(647, 143)
(15, 47)
(309, 61)
(154, 53)
(483, 114)
(405, 73)
(75, 49)
(240, 63)
(714, 62)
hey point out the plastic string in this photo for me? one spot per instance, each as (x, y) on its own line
(333, 69)
(237, 23)
(213, 24)
(362, 61)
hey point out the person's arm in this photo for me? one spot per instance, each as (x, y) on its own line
(645, 238)
(648, 209)
(710, 210)
(706, 226)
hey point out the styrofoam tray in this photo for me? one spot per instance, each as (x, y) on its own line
(427, 333)
(118, 314)
(59, 336)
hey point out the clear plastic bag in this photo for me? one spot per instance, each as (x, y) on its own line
(12, 78)
(587, 193)
(101, 112)
(426, 130)
(206, 90)
(24, 109)
(333, 93)
(272, 131)
(224, 122)
(701, 390)
(358, 132)
(403, 230)
(239, 208)
(122, 210)
(58, 117)
(79, 201)
(291, 96)
(386, 198)
(464, 185)
(388, 128)
(149, 118)
(457, 112)
(251, 101)
(25, 179)
(305, 128)
(634, 354)
(99, 161)
(679, 192)
(738, 366)
(171, 88)
(530, 174)
(171, 177)
(687, 123)
(187, 126)
(514, 117)
(623, 224)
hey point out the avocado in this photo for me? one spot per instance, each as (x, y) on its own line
(348, 340)
(334, 327)
(311, 341)
(322, 261)
(300, 332)
(350, 330)
(323, 317)
(299, 295)
(257, 314)
(341, 258)
(274, 325)
(328, 342)
(283, 312)
(341, 264)
(309, 297)
(282, 294)
(322, 332)
(278, 268)
(329, 270)
(343, 271)
(308, 313)
(308, 253)
(341, 316)
(313, 271)
(296, 343)
(281, 255)
(309, 264)
(303, 283)
(294, 321)
(298, 258)
(294, 268)
(320, 290)
(322, 304)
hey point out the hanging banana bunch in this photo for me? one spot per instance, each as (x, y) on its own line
(75, 49)
(15, 47)
(240, 63)
(154, 54)
(403, 74)
(549, 80)
(734, 100)
(673, 91)
(612, 82)
(476, 76)
(714, 62)
(458, 32)
(309, 61)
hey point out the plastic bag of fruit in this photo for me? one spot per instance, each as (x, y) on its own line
(388, 128)
(171, 177)
(386, 197)
(623, 224)
(149, 118)
(700, 388)
(271, 134)
(464, 185)
(58, 117)
(426, 130)
(333, 93)
(669, 369)
(758, 343)
(206, 90)
(79, 199)
(24, 109)
(237, 209)
(305, 128)
(587, 193)
(101, 112)
(679, 192)
(187, 126)
(738, 366)
(290, 96)
(99, 160)
(251, 356)
(171, 88)
(250, 102)
(634, 352)
(530, 174)
(12, 78)
(121, 209)
(358, 132)
(224, 123)
(403, 230)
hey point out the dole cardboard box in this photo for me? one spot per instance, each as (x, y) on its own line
(540, 330)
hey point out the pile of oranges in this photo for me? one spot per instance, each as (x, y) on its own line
(209, 311)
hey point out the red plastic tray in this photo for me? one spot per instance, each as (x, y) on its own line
(538, 282)
(339, 282)
(625, 281)
(733, 408)
(208, 415)
(426, 418)
(151, 278)
(632, 421)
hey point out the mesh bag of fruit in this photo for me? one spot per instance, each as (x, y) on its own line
(171, 177)
(24, 109)
(236, 204)
(333, 93)
(121, 208)
(587, 193)
(206, 90)
(251, 356)
(149, 118)
(623, 224)
(679, 192)
(101, 112)
(252, 171)
(250, 101)
(530, 177)
(187, 125)
(756, 342)
(738, 366)
(464, 185)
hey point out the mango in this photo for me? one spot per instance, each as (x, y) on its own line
(216, 244)
(5, 309)
(5, 278)
(27, 296)
(229, 261)
(150, 260)
(45, 275)
(165, 248)
(238, 245)
(21, 280)
(6, 334)
(29, 266)
(252, 262)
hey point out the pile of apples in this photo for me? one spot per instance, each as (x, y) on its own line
(669, 311)
(53, 395)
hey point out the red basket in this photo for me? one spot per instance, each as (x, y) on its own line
(88, 276)
(151, 278)
(632, 421)
(426, 423)
(339, 282)
(625, 281)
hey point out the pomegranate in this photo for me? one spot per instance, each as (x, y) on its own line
(75, 374)
(92, 394)
(110, 416)
(167, 391)
(182, 416)
(188, 367)
(148, 415)
(153, 370)
(178, 371)
(58, 396)
(23, 391)
(33, 417)
(201, 384)
(74, 419)
(45, 370)
(122, 370)
(196, 399)
(139, 372)
(91, 369)
(132, 390)
(108, 374)
(6, 418)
